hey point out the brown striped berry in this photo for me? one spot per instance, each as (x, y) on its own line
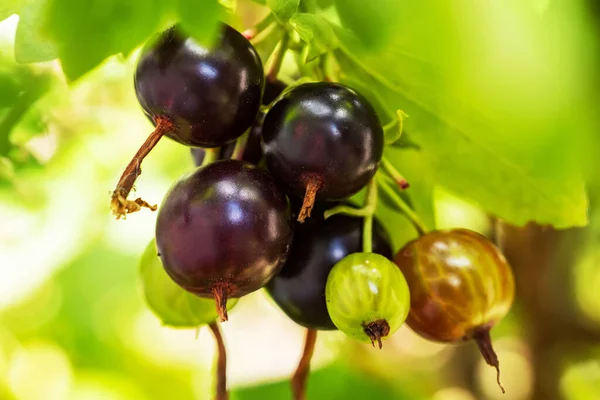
(461, 286)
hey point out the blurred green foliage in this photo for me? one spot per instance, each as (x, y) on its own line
(501, 121)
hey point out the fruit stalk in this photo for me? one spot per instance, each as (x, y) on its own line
(389, 169)
(370, 205)
(119, 204)
(397, 125)
(210, 156)
(302, 371)
(484, 342)
(240, 146)
(278, 58)
(221, 388)
(367, 212)
(409, 212)
(255, 31)
(220, 294)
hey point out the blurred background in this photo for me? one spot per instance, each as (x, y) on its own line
(73, 324)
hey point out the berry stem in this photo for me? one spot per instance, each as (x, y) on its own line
(367, 212)
(303, 68)
(220, 293)
(301, 375)
(312, 187)
(371, 205)
(409, 212)
(389, 169)
(240, 146)
(327, 73)
(221, 390)
(257, 29)
(348, 210)
(483, 339)
(393, 130)
(119, 204)
(278, 56)
(210, 156)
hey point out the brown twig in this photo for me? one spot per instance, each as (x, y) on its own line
(119, 204)
(301, 375)
(221, 388)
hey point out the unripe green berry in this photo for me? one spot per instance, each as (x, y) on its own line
(367, 297)
(174, 306)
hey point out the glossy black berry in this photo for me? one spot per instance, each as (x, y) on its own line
(299, 288)
(224, 230)
(210, 94)
(205, 96)
(322, 141)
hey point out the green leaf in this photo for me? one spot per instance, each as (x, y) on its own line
(335, 381)
(200, 18)
(32, 44)
(33, 87)
(462, 158)
(9, 89)
(373, 23)
(86, 33)
(7, 169)
(493, 133)
(325, 3)
(174, 306)
(10, 7)
(283, 9)
(230, 5)
(316, 32)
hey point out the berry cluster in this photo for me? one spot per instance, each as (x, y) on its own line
(267, 207)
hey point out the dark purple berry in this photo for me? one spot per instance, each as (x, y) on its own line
(224, 230)
(299, 288)
(322, 141)
(210, 94)
(197, 95)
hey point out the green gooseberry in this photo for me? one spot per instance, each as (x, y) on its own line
(367, 297)
(173, 305)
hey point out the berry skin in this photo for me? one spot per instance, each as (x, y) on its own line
(322, 141)
(210, 94)
(224, 230)
(461, 286)
(299, 288)
(252, 151)
(367, 297)
(171, 304)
